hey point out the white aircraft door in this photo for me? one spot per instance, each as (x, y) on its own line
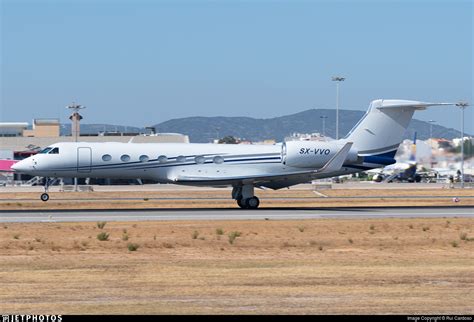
(84, 159)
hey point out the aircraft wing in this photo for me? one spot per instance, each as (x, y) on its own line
(275, 180)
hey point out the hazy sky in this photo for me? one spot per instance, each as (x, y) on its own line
(140, 62)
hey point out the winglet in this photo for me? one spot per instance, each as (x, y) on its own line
(336, 162)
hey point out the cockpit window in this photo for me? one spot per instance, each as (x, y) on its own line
(45, 150)
(54, 151)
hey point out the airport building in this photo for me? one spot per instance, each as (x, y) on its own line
(12, 129)
(18, 140)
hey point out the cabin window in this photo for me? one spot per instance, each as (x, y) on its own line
(181, 158)
(199, 159)
(106, 157)
(218, 159)
(45, 150)
(162, 159)
(144, 158)
(125, 158)
(54, 151)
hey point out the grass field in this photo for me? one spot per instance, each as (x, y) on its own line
(221, 198)
(343, 266)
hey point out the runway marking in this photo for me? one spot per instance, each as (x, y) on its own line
(320, 194)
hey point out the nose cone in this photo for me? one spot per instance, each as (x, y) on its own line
(19, 166)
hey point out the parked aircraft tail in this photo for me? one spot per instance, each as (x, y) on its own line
(5, 165)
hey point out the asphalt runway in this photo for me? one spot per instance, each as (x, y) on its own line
(232, 214)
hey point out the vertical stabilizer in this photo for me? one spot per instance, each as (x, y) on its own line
(381, 130)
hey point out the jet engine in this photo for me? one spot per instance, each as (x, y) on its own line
(313, 154)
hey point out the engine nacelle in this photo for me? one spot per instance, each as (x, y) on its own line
(313, 154)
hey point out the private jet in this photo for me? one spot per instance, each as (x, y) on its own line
(372, 143)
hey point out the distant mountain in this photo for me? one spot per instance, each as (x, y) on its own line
(205, 129)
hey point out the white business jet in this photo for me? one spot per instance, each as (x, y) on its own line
(372, 143)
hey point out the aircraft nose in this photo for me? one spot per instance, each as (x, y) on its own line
(19, 166)
(15, 167)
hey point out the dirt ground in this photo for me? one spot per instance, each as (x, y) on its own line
(325, 266)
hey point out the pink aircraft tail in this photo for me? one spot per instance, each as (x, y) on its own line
(5, 165)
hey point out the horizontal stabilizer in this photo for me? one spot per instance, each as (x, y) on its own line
(389, 104)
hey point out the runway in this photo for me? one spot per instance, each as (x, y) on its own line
(232, 214)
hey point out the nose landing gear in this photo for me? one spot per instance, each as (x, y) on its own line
(47, 182)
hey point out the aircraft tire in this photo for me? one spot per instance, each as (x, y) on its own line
(44, 197)
(241, 203)
(252, 203)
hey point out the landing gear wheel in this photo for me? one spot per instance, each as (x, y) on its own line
(44, 197)
(241, 203)
(252, 203)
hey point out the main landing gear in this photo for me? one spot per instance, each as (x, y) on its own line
(47, 182)
(245, 197)
(249, 203)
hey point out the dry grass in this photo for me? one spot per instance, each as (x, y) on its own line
(270, 268)
(220, 198)
(207, 193)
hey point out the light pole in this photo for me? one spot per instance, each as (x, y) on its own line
(75, 126)
(75, 118)
(324, 117)
(462, 106)
(431, 141)
(217, 133)
(337, 79)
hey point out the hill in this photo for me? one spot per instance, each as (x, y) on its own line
(205, 129)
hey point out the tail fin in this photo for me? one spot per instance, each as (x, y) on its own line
(6, 165)
(381, 130)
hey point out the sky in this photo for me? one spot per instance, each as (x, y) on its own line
(142, 62)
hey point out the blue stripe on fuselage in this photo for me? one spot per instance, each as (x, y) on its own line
(386, 158)
(379, 160)
(141, 165)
